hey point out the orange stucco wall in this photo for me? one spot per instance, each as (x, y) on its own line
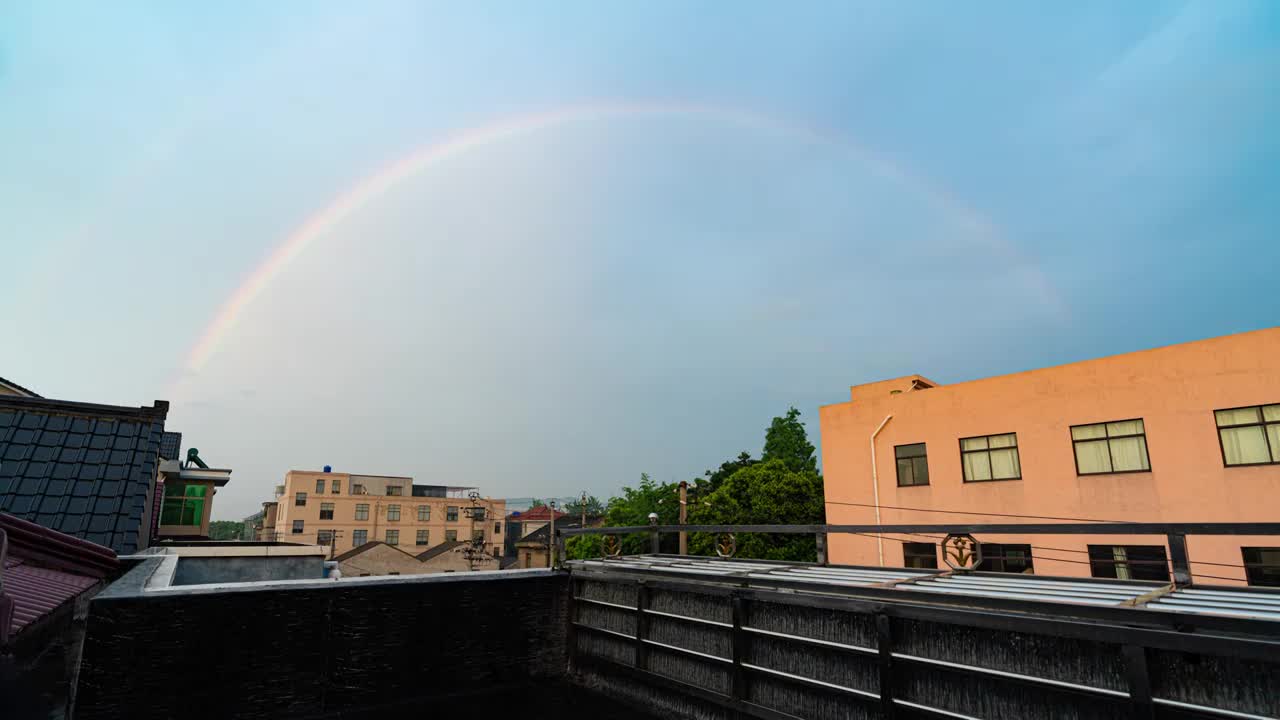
(1173, 389)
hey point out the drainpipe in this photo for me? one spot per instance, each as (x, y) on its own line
(875, 486)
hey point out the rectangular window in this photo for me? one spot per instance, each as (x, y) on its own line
(393, 537)
(423, 536)
(477, 535)
(920, 555)
(359, 537)
(1249, 436)
(393, 513)
(319, 486)
(1112, 447)
(424, 513)
(337, 486)
(297, 527)
(476, 513)
(1262, 565)
(1129, 562)
(300, 499)
(451, 513)
(497, 528)
(362, 511)
(1007, 558)
(913, 465)
(357, 489)
(326, 511)
(394, 490)
(990, 457)
(450, 535)
(324, 537)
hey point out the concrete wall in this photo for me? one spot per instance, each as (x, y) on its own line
(1174, 390)
(318, 649)
(382, 560)
(199, 570)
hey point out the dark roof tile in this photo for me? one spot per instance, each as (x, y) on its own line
(59, 494)
(7, 419)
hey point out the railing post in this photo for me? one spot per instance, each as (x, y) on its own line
(1135, 661)
(822, 548)
(739, 651)
(884, 643)
(1178, 556)
(642, 625)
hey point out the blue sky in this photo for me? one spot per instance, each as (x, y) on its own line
(916, 187)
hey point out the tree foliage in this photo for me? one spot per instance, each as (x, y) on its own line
(787, 441)
(714, 478)
(632, 508)
(593, 506)
(226, 530)
(536, 502)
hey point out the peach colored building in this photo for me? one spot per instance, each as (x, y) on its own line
(345, 511)
(1183, 433)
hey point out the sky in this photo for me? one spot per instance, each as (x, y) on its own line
(544, 247)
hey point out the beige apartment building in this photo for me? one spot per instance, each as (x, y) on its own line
(345, 511)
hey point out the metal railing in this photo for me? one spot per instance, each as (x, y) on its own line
(1175, 534)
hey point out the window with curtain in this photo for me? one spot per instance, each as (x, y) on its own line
(913, 464)
(300, 499)
(1249, 436)
(423, 535)
(920, 555)
(326, 511)
(1129, 562)
(451, 513)
(324, 537)
(393, 537)
(990, 457)
(393, 513)
(359, 537)
(1111, 447)
(337, 486)
(319, 486)
(450, 535)
(297, 527)
(1262, 565)
(362, 511)
(424, 513)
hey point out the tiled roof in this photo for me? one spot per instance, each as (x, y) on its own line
(82, 469)
(171, 446)
(440, 549)
(43, 569)
(542, 512)
(17, 388)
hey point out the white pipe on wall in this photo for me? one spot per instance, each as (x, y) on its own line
(875, 485)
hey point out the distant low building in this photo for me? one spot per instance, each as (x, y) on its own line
(378, 558)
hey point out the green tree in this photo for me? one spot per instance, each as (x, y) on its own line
(593, 506)
(632, 508)
(714, 478)
(536, 502)
(787, 441)
(226, 530)
(766, 493)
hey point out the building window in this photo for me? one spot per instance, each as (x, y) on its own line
(424, 513)
(1249, 436)
(297, 527)
(990, 457)
(319, 486)
(423, 536)
(1262, 565)
(359, 537)
(324, 537)
(337, 486)
(1113, 447)
(1129, 562)
(477, 535)
(913, 465)
(920, 555)
(357, 489)
(362, 511)
(300, 499)
(1006, 558)
(394, 490)
(497, 528)
(450, 535)
(451, 513)
(393, 513)
(393, 537)
(326, 511)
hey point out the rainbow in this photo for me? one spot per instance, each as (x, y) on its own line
(380, 182)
